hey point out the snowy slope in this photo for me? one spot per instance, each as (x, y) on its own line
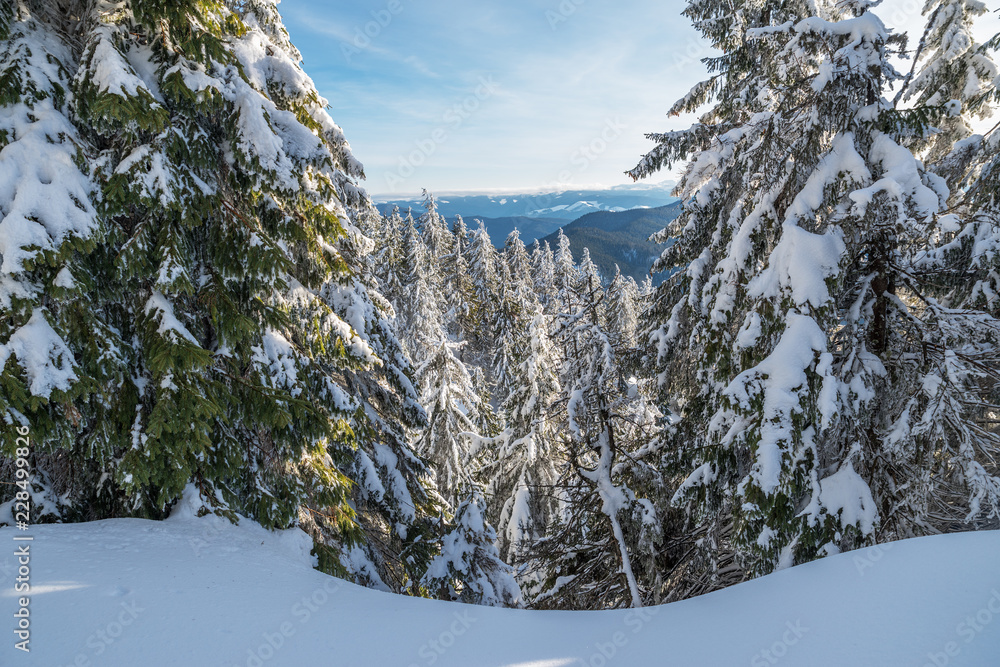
(191, 591)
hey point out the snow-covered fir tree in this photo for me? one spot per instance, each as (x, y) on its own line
(566, 271)
(454, 407)
(600, 550)
(954, 72)
(515, 254)
(459, 287)
(51, 335)
(518, 466)
(973, 250)
(958, 275)
(469, 568)
(389, 254)
(420, 307)
(437, 237)
(543, 264)
(590, 275)
(185, 291)
(516, 301)
(646, 289)
(795, 331)
(623, 309)
(484, 272)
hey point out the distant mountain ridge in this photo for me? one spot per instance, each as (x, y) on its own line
(564, 205)
(620, 238)
(615, 234)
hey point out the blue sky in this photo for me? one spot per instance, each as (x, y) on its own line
(570, 91)
(453, 95)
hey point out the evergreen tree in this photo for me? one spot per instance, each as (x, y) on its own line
(954, 72)
(483, 269)
(518, 261)
(437, 237)
(216, 258)
(516, 301)
(186, 300)
(973, 250)
(793, 330)
(535, 255)
(508, 321)
(566, 272)
(590, 289)
(959, 285)
(52, 338)
(544, 267)
(388, 257)
(469, 568)
(420, 308)
(459, 287)
(601, 547)
(488, 421)
(589, 273)
(646, 289)
(518, 465)
(454, 407)
(392, 494)
(623, 310)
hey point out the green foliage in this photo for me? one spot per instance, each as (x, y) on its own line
(200, 309)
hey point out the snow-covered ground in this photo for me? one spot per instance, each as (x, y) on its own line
(200, 592)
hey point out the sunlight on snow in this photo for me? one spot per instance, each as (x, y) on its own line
(55, 587)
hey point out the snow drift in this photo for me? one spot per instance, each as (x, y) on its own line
(200, 591)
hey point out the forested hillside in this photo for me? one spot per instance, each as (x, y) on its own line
(621, 239)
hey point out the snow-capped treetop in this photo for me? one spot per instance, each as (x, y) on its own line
(955, 71)
(469, 568)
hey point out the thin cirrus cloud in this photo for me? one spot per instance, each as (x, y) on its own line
(450, 95)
